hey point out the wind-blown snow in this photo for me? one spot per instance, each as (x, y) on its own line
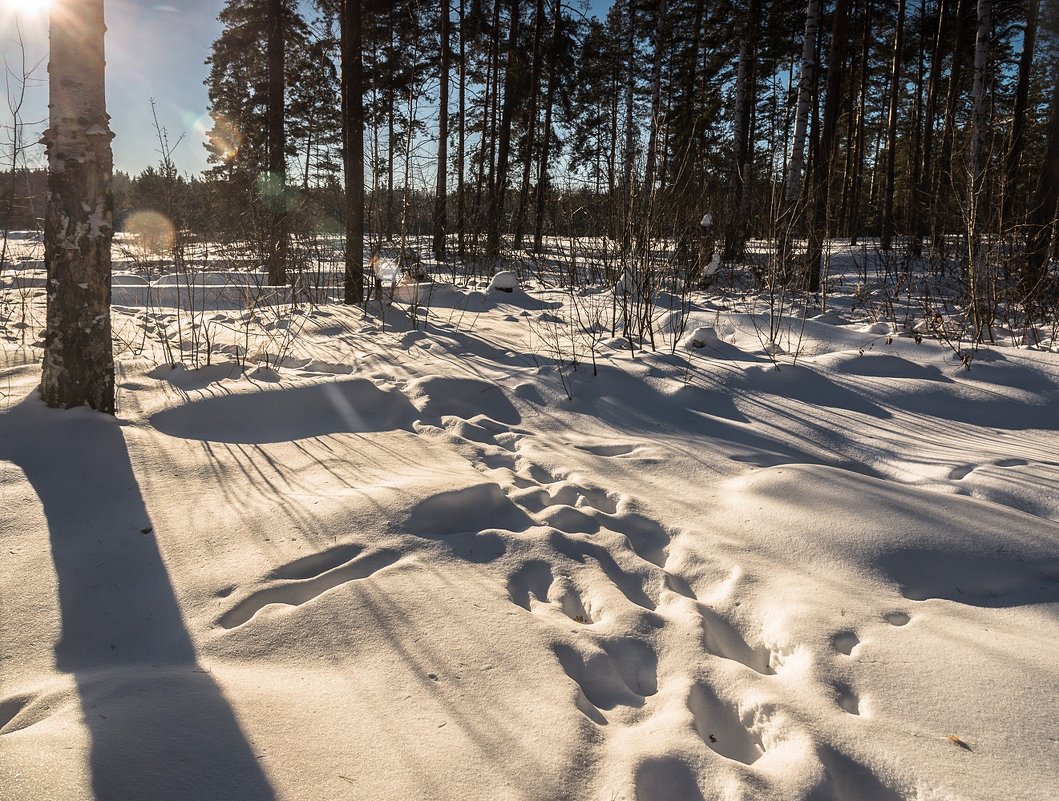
(443, 564)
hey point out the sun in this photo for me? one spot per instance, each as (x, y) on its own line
(27, 8)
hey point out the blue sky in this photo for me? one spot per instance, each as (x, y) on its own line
(154, 49)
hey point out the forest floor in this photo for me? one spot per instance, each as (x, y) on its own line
(360, 557)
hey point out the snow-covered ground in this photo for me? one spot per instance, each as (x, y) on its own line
(353, 557)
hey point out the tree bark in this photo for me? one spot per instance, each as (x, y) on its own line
(822, 171)
(920, 217)
(78, 225)
(736, 223)
(441, 198)
(1043, 212)
(353, 146)
(503, 147)
(531, 121)
(1018, 118)
(276, 144)
(796, 165)
(977, 165)
(887, 226)
(549, 102)
(943, 170)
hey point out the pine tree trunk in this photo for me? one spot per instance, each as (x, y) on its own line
(461, 142)
(823, 168)
(353, 147)
(860, 145)
(1018, 118)
(441, 197)
(920, 217)
(549, 102)
(943, 173)
(277, 147)
(646, 193)
(977, 166)
(887, 225)
(78, 223)
(531, 122)
(736, 222)
(1043, 211)
(629, 156)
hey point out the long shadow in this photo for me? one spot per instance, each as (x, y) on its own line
(160, 727)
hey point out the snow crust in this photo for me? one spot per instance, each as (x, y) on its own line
(397, 563)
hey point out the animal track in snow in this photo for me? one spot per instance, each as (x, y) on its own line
(847, 699)
(717, 723)
(722, 639)
(896, 618)
(298, 591)
(317, 563)
(9, 709)
(616, 449)
(844, 642)
(620, 672)
(535, 578)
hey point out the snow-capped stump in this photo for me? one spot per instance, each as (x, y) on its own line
(700, 338)
(503, 281)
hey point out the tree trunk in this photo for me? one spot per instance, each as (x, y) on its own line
(977, 165)
(796, 166)
(531, 121)
(78, 223)
(503, 147)
(277, 147)
(943, 171)
(1018, 119)
(443, 138)
(353, 147)
(629, 157)
(887, 225)
(736, 222)
(920, 217)
(1043, 212)
(461, 142)
(822, 172)
(549, 102)
(860, 145)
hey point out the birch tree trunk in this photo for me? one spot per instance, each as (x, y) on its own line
(796, 165)
(78, 224)
(806, 82)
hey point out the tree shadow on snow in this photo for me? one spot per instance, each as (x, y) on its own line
(160, 727)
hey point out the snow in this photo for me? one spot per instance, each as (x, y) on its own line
(776, 559)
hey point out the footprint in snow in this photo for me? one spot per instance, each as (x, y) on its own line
(308, 578)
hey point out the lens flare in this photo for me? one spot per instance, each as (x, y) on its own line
(225, 137)
(27, 8)
(153, 230)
